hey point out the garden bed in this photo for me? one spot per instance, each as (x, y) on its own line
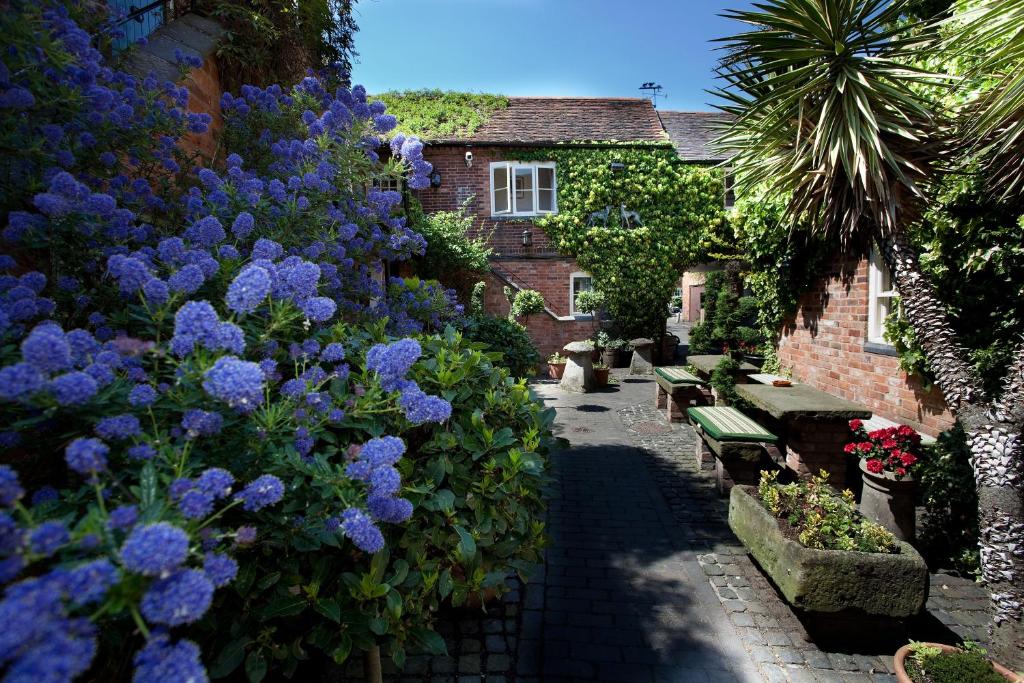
(880, 584)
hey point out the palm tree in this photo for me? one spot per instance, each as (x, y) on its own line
(829, 110)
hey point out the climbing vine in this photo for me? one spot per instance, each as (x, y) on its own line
(636, 267)
(439, 114)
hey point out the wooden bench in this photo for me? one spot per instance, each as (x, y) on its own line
(741, 447)
(676, 389)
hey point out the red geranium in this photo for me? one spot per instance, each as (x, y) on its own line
(891, 449)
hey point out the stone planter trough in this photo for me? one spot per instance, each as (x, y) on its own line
(829, 581)
(900, 664)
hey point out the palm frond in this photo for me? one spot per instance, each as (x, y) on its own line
(824, 109)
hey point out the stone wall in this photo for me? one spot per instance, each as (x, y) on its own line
(824, 345)
(190, 34)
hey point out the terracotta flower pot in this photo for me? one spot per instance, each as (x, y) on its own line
(601, 377)
(899, 660)
(609, 357)
(556, 370)
(889, 501)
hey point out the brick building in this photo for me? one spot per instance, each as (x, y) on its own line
(835, 343)
(509, 196)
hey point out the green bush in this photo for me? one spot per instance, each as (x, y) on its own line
(507, 337)
(434, 114)
(949, 535)
(590, 302)
(932, 665)
(525, 302)
(450, 248)
(821, 518)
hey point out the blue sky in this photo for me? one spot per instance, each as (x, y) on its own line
(590, 48)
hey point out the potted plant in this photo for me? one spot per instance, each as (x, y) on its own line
(888, 458)
(611, 349)
(938, 663)
(822, 554)
(669, 343)
(601, 374)
(556, 365)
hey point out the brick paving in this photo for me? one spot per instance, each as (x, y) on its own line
(644, 581)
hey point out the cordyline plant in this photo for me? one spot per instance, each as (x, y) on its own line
(830, 111)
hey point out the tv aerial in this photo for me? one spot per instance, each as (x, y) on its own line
(653, 91)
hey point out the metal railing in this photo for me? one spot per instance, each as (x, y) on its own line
(137, 20)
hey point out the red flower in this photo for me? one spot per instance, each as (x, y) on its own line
(908, 459)
(901, 471)
(878, 434)
(850, 448)
(856, 424)
(875, 466)
(865, 446)
(889, 444)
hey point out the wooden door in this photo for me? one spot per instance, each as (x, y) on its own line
(696, 303)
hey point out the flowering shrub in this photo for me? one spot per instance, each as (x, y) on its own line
(208, 413)
(893, 449)
(821, 518)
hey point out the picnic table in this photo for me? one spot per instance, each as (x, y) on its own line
(705, 365)
(814, 425)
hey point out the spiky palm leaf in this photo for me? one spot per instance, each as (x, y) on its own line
(825, 109)
(992, 127)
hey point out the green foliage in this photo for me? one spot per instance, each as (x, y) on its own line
(508, 337)
(440, 114)
(475, 482)
(729, 318)
(476, 301)
(450, 246)
(636, 268)
(822, 519)
(900, 334)
(269, 42)
(723, 380)
(525, 302)
(932, 665)
(590, 302)
(949, 535)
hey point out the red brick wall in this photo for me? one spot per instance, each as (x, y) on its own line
(537, 267)
(823, 344)
(458, 182)
(204, 92)
(550, 277)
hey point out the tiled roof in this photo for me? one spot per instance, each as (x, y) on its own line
(540, 120)
(692, 132)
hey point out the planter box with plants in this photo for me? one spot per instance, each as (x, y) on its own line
(937, 663)
(822, 555)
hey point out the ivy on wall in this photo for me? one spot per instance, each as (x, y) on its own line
(440, 114)
(637, 268)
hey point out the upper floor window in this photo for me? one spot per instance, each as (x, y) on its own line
(880, 297)
(523, 188)
(387, 183)
(578, 282)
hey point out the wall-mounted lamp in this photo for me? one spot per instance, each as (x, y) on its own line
(469, 159)
(527, 237)
(617, 167)
(435, 179)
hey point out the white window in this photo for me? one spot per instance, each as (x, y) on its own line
(578, 282)
(880, 294)
(387, 184)
(523, 189)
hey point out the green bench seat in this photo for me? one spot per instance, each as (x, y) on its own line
(741, 447)
(729, 424)
(678, 376)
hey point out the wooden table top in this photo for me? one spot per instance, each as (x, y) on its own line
(800, 400)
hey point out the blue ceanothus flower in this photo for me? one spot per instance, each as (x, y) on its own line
(237, 382)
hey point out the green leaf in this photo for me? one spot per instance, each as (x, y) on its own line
(285, 606)
(147, 485)
(394, 603)
(230, 657)
(329, 608)
(379, 625)
(255, 666)
(467, 546)
(429, 641)
(341, 653)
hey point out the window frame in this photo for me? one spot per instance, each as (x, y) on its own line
(877, 273)
(510, 168)
(578, 275)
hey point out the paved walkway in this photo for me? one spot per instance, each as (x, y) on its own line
(645, 582)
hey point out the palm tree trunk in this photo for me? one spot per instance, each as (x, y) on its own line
(993, 430)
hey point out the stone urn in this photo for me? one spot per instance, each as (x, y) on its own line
(889, 501)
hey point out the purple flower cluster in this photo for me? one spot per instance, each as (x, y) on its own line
(237, 382)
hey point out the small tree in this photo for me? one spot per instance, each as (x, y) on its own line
(523, 303)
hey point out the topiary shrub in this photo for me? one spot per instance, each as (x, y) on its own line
(505, 337)
(525, 302)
